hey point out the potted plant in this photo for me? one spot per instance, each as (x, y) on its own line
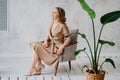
(94, 71)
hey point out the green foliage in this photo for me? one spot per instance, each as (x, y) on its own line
(110, 17)
(82, 35)
(79, 51)
(102, 42)
(87, 8)
(85, 66)
(96, 51)
(110, 61)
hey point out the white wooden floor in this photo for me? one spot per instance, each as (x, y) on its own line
(15, 68)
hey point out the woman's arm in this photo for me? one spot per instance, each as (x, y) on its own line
(47, 39)
(60, 50)
(67, 41)
(46, 44)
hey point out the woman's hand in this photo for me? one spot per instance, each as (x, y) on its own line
(60, 50)
(45, 44)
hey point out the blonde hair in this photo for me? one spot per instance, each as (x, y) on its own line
(61, 12)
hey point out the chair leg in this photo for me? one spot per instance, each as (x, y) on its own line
(69, 65)
(56, 68)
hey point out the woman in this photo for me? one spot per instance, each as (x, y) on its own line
(52, 47)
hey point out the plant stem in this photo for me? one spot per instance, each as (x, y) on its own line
(90, 50)
(94, 35)
(95, 54)
(97, 47)
(99, 54)
(99, 38)
(88, 57)
(101, 65)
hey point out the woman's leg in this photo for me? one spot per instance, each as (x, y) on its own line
(34, 62)
(40, 65)
(39, 62)
(34, 59)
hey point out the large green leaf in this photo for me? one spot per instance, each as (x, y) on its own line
(102, 42)
(79, 51)
(110, 61)
(110, 17)
(85, 6)
(82, 35)
(85, 66)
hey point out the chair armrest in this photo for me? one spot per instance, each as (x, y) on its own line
(68, 53)
(71, 44)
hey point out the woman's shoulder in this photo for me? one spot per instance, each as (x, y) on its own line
(63, 25)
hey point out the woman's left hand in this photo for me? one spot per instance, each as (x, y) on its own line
(60, 50)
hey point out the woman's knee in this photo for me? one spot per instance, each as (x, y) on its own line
(33, 45)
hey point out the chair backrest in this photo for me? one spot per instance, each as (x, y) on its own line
(74, 36)
(68, 53)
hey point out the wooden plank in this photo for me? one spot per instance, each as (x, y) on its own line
(56, 78)
(49, 71)
(111, 77)
(117, 63)
(30, 78)
(79, 63)
(74, 74)
(65, 78)
(22, 78)
(39, 78)
(73, 71)
(47, 77)
(61, 70)
(78, 71)
(4, 78)
(67, 69)
(76, 78)
(13, 78)
(70, 73)
(76, 68)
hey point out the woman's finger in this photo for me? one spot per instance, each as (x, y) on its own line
(59, 52)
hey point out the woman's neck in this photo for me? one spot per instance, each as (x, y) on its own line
(56, 21)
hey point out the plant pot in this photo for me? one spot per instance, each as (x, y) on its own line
(94, 76)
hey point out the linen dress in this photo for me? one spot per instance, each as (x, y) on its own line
(49, 55)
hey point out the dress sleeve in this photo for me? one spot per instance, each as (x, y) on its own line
(65, 30)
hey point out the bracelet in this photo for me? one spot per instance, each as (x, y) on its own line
(62, 46)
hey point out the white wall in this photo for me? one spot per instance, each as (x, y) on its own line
(29, 21)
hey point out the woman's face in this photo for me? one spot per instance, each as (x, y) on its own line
(55, 14)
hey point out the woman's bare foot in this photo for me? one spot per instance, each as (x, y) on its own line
(39, 67)
(38, 72)
(31, 72)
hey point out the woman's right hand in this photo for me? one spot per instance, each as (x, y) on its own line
(45, 44)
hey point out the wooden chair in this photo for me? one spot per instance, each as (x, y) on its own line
(68, 53)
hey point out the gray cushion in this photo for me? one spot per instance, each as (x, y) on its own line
(68, 53)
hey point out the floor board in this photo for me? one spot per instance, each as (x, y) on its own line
(15, 69)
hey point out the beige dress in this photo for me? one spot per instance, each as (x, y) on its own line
(48, 55)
